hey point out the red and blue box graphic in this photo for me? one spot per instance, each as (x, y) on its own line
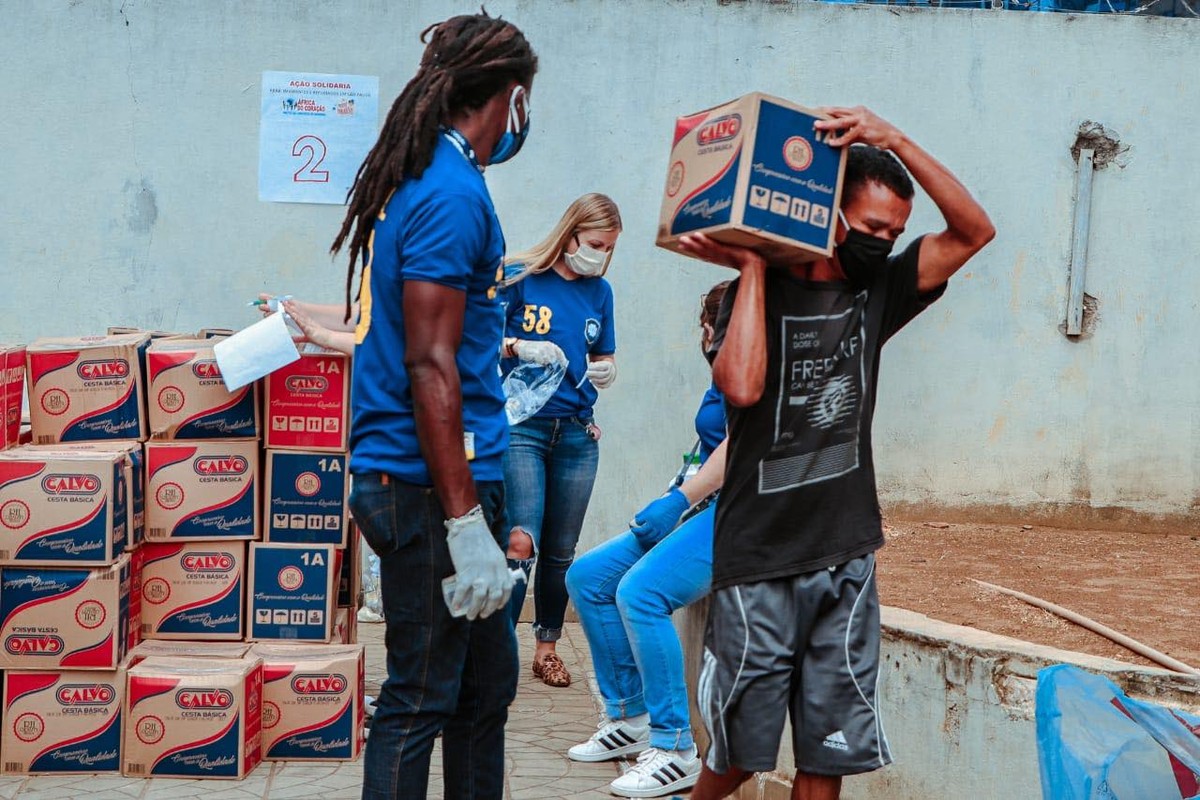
(753, 172)
(308, 404)
(202, 490)
(63, 508)
(62, 721)
(306, 498)
(64, 618)
(86, 389)
(188, 398)
(292, 591)
(192, 590)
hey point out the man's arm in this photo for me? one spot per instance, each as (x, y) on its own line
(740, 369)
(968, 227)
(433, 325)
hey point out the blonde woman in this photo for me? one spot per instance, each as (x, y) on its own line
(560, 308)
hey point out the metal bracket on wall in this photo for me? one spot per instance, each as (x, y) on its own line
(1079, 242)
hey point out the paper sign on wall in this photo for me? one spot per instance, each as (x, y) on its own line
(316, 130)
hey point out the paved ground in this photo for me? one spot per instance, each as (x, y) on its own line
(544, 722)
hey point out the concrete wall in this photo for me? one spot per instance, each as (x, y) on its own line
(958, 707)
(130, 147)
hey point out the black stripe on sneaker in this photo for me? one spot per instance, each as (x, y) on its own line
(663, 779)
(628, 739)
(673, 768)
(609, 742)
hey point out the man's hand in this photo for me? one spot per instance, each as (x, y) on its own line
(652, 524)
(483, 582)
(539, 352)
(740, 258)
(858, 124)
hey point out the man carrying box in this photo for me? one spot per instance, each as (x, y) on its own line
(794, 620)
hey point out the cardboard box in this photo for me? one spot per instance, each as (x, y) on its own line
(12, 392)
(754, 173)
(188, 398)
(292, 592)
(192, 590)
(202, 490)
(312, 702)
(63, 508)
(62, 721)
(160, 648)
(86, 389)
(193, 718)
(308, 404)
(307, 497)
(59, 618)
(135, 477)
(341, 627)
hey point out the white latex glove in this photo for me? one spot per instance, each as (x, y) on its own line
(539, 352)
(602, 373)
(483, 582)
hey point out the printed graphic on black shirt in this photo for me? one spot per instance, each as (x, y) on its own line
(820, 401)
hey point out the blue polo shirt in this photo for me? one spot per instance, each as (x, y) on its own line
(578, 317)
(440, 228)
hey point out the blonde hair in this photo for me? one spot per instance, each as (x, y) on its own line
(591, 212)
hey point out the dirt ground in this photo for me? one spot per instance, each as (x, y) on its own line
(1144, 585)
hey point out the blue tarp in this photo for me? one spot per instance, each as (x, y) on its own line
(1096, 743)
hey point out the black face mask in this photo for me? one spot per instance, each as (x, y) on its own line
(863, 257)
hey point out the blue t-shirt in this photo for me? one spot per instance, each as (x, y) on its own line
(710, 421)
(440, 228)
(578, 317)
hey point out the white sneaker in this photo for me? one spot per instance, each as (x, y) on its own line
(659, 772)
(614, 739)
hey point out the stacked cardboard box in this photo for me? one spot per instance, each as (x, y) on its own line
(106, 538)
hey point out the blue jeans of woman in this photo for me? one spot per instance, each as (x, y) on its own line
(444, 674)
(549, 470)
(625, 596)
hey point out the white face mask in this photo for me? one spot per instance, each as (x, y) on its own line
(586, 261)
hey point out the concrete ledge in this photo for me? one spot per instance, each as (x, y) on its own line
(958, 707)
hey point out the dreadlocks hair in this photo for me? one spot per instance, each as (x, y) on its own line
(467, 60)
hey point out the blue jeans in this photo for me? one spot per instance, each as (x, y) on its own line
(549, 470)
(445, 674)
(625, 596)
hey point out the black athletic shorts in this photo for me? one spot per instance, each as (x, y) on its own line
(807, 645)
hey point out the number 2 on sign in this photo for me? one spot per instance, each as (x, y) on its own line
(315, 149)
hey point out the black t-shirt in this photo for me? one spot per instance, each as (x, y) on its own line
(799, 492)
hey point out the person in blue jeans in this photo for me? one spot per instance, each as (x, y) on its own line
(428, 428)
(626, 590)
(560, 310)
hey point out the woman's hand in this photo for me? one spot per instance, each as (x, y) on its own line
(539, 352)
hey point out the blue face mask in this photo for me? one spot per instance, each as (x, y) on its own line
(515, 134)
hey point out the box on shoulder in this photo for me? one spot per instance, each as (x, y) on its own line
(308, 404)
(62, 721)
(307, 497)
(87, 388)
(192, 591)
(64, 618)
(292, 591)
(187, 395)
(204, 490)
(753, 172)
(64, 507)
(313, 701)
(193, 718)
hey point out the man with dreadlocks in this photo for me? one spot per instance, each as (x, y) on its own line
(429, 429)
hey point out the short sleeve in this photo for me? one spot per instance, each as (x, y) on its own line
(444, 240)
(903, 302)
(606, 343)
(722, 322)
(513, 297)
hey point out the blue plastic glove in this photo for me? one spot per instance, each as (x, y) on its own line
(652, 524)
